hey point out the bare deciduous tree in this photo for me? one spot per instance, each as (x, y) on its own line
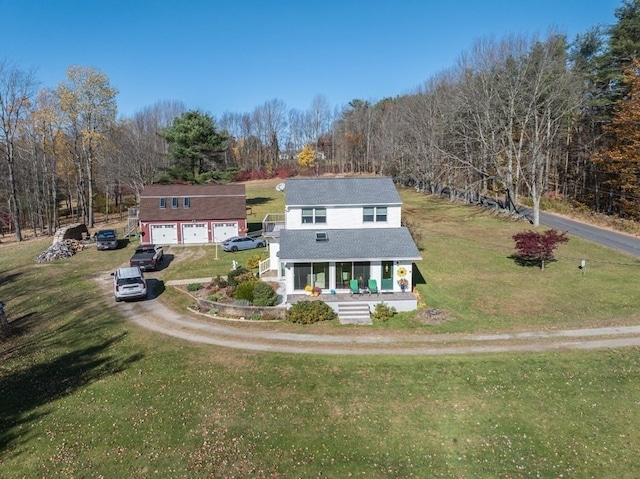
(17, 88)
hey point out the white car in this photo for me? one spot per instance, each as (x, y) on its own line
(129, 283)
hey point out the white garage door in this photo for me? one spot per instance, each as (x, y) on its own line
(164, 234)
(195, 233)
(222, 231)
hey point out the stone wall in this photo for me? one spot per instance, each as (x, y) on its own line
(242, 311)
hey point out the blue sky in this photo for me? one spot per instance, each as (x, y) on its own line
(234, 55)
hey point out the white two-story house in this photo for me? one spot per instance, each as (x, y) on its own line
(341, 229)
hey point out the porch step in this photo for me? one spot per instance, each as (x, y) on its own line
(354, 313)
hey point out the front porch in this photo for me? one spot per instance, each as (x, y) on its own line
(406, 301)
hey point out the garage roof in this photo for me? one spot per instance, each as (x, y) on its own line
(206, 202)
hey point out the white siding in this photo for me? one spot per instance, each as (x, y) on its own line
(343, 217)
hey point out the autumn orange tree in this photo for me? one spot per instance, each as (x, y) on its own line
(621, 160)
(306, 158)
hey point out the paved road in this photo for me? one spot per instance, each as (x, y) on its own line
(618, 241)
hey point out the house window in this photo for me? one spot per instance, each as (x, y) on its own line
(321, 275)
(321, 215)
(359, 270)
(374, 213)
(163, 203)
(311, 274)
(362, 272)
(343, 274)
(174, 202)
(301, 275)
(187, 202)
(314, 215)
(307, 215)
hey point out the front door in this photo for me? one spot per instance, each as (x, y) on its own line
(387, 276)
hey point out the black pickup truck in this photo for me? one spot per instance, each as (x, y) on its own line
(147, 257)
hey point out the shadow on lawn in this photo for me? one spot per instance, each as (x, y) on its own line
(260, 200)
(25, 390)
(529, 263)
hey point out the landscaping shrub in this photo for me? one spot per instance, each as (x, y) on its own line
(254, 261)
(308, 312)
(215, 297)
(245, 291)
(264, 295)
(255, 316)
(383, 312)
(218, 282)
(194, 286)
(247, 277)
(231, 277)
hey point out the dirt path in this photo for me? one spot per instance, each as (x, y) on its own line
(153, 315)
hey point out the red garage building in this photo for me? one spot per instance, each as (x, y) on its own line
(192, 214)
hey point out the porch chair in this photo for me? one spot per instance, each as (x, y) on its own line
(353, 285)
(373, 286)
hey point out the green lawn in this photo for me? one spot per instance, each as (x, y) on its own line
(87, 394)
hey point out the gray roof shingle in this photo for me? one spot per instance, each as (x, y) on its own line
(368, 244)
(341, 191)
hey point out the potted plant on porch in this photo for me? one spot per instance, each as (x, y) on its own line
(403, 283)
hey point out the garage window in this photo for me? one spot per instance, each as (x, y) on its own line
(187, 202)
(174, 202)
(163, 203)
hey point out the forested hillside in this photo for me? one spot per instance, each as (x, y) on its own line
(523, 116)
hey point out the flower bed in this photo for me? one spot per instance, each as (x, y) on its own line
(229, 309)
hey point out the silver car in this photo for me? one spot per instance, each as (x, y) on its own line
(239, 243)
(129, 283)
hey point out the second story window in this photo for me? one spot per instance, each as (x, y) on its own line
(314, 215)
(307, 215)
(174, 202)
(321, 215)
(187, 202)
(374, 213)
(163, 203)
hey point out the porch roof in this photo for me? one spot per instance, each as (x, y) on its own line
(368, 244)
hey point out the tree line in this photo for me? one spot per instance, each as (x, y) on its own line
(522, 116)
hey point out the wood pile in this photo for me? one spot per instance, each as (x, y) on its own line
(60, 249)
(77, 231)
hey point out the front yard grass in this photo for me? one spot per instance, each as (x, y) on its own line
(87, 394)
(467, 272)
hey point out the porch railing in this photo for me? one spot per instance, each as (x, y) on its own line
(264, 266)
(272, 224)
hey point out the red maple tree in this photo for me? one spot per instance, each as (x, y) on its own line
(540, 247)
